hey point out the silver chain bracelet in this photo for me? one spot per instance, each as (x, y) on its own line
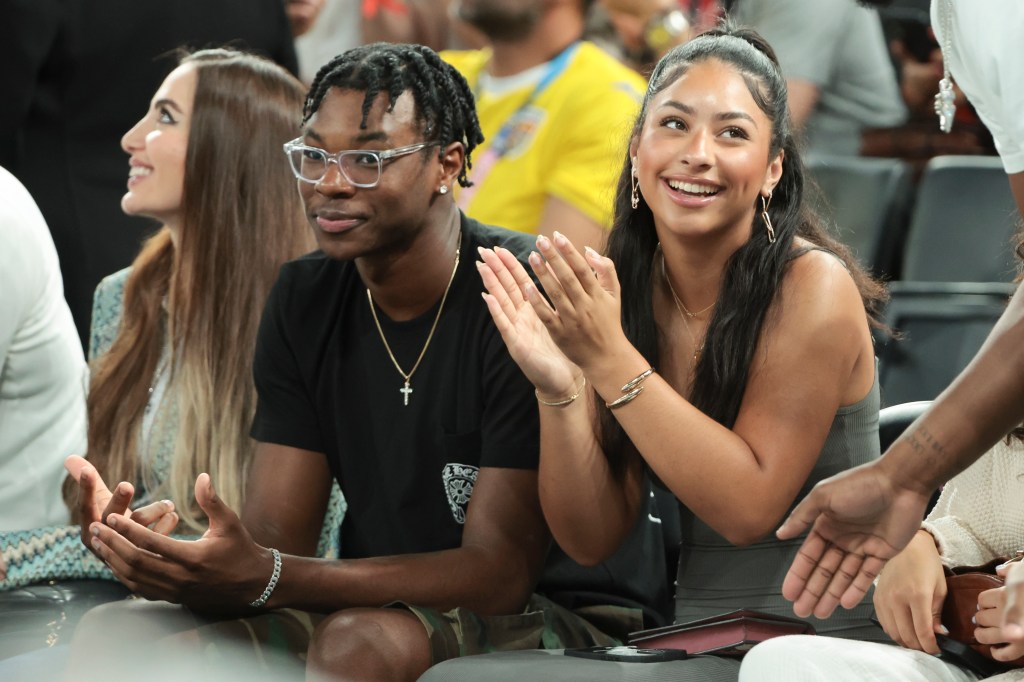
(273, 581)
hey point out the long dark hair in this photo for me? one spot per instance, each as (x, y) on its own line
(752, 275)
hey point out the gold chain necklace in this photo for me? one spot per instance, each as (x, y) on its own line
(683, 313)
(406, 389)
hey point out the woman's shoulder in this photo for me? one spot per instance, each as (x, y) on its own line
(107, 306)
(820, 297)
(111, 287)
(818, 275)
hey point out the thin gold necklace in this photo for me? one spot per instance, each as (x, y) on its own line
(406, 389)
(683, 313)
(686, 310)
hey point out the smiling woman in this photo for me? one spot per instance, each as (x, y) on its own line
(157, 146)
(722, 345)
(171, 392)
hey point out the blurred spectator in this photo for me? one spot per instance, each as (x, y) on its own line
(644, 30)
(42, 369)
(918, 62)
(77, 74)
(325, 28)
(555, 112)
(840, 78)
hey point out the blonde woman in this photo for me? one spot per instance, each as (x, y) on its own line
(171, 392)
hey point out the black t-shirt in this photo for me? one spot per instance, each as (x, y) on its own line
(326, 384)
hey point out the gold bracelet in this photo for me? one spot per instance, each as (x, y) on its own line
(622, 400)
(561, 403)
(637, 380)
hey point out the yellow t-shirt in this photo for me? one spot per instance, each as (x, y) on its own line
(569, 142)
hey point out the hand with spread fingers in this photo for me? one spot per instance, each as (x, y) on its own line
(992, 612)
(909, 595)
(509, 289)
(96, 502)
(223, 571)
(861, 519)
(584, 316)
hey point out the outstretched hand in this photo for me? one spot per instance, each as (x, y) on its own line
(858, 520)
(222, 571)
(96, 502)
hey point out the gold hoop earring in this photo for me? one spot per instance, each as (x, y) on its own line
(766, 218)
(634, 197)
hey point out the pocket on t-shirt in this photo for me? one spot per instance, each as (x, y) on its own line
(462, 447)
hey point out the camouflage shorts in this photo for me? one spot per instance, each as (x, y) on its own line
(543, 624)
(278, 640)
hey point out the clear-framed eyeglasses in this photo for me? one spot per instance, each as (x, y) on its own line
(361, 167)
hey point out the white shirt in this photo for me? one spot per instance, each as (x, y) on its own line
(985, 55)
(42, 368)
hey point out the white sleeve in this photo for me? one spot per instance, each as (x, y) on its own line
(980, 514)
(21, 283)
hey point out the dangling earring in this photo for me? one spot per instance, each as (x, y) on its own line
(766, 218)
(634, 198)
(443, 189)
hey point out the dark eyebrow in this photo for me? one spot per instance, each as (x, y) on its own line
(169, 103)
(723, 116)
(362, 137)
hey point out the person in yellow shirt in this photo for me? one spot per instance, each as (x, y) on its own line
(555, 111)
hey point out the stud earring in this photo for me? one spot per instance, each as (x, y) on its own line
(443, 189)
(634, 197)
(766, 218)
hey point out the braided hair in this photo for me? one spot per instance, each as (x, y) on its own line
(444, 101)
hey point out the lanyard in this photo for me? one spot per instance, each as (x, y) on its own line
(500, 146)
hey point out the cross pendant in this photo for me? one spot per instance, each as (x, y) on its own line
(406, 391)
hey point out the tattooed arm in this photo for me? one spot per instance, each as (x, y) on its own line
(861, 518)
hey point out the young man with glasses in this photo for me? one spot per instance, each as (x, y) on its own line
(378, 364)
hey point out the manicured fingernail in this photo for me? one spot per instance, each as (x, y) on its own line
(560, 239)
(480, 250)
(590, 251)
(112, 521)
(95, 543)
(168, 503)
(943, 629)
(535, 258)
(95, 530)
(543, 242)
(974, 620)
